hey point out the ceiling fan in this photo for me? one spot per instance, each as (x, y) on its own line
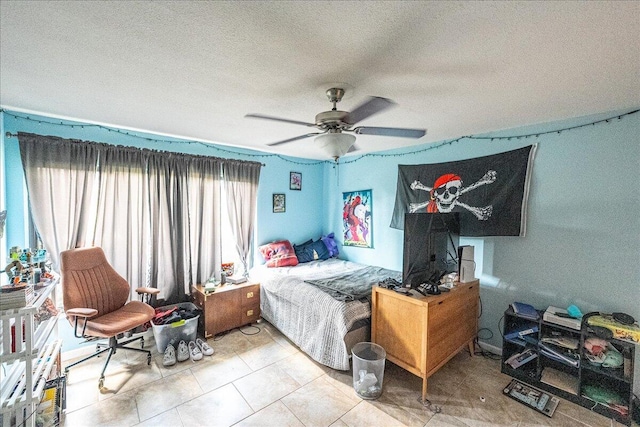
(333, 123)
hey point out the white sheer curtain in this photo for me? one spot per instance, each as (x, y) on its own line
(155, 214)
(241, 185)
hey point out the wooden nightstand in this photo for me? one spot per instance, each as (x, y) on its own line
(230, 306)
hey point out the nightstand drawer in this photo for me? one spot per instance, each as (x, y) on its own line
(250, 296)
(250, 314)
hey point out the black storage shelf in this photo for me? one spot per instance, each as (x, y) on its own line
(526, 372)
(617, 373)
(618, 380)
(560, 366)
(605, 410)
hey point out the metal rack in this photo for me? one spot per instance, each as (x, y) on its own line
(27, 360)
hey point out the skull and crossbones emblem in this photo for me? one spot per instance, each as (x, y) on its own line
(445, 195)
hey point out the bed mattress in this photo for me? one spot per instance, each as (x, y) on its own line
(310, 317)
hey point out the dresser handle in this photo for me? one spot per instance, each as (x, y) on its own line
(249, 313)
(249, 294)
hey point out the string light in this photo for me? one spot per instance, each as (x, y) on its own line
(156, 140)
(334, 163)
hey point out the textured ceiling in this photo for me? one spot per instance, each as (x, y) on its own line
(194, 69)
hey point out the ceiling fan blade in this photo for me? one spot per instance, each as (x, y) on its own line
(295, 138)
(278, 119)
(373, 105)
(399, 132)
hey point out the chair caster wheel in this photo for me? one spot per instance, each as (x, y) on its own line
(148, 359)
(101, 383)
(141, 342)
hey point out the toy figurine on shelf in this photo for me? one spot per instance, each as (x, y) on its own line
(14, 271)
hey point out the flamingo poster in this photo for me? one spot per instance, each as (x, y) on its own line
(357, 219)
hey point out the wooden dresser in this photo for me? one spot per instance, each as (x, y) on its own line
(229, 307)
(420, 334)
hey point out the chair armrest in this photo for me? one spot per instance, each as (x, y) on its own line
(82, 312)
(78, 313)
(145, 294)
(150, 291)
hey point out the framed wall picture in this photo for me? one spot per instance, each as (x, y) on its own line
(295, 181)
(357, 218)
(279, 203)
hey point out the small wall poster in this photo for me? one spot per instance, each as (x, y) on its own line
(357, 218)
(295, 181)
(279, 203)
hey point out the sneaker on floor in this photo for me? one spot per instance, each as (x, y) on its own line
(169, 357)
(204, 347)
(183, 351)
(195, 352)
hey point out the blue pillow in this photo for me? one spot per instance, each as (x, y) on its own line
(320, 250)
(311, 251)
(330, 243)
(303, 252)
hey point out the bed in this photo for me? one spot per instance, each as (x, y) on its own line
(323, 326)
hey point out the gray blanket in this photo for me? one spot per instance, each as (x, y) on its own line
(353, 286)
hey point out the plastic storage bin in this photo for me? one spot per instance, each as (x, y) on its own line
(368, 369)
(180, 330)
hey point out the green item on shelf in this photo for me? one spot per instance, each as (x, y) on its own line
(613, 359)
(602, 395)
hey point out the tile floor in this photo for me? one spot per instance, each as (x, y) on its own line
(264, 380)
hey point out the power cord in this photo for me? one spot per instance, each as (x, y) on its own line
(484, 353)
(221, 335)
(250, 326)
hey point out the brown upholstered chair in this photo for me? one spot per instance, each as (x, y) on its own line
(95, 302)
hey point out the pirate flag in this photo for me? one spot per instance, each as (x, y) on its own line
(489, 193)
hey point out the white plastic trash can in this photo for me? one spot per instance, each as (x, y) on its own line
(368, 369)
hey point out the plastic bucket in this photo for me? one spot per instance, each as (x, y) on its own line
(368, 369)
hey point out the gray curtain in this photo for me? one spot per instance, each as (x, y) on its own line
(155, 214)
(241, 188)
(121, 225)
(205, 210)
(59, 178)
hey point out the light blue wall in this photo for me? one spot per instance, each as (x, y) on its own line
(302, 220)
(304, 211)
(583, 231)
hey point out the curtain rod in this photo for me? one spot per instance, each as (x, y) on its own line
(15, 135)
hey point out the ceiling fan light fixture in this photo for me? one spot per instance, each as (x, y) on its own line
(336, 144)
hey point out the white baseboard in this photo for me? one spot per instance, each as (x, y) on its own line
(490, 348)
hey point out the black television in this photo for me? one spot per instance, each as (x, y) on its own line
(430, 248)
